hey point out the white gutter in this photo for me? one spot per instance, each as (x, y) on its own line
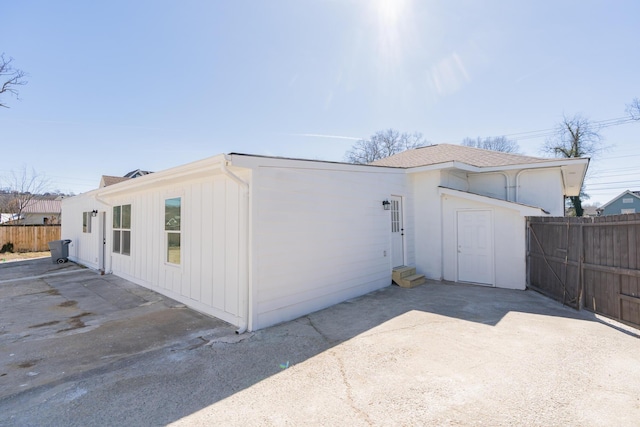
(244, 294)
(551, 163)
(195, 168)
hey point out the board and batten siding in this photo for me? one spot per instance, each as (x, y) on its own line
(84, 247)
(321, 236)
(212, 248)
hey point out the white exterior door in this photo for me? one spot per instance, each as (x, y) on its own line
(397, 232)
(475, 247)
(102, 232)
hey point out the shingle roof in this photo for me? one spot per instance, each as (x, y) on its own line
(34, 205)
(43, 206)
(110, 180)
(444, 153)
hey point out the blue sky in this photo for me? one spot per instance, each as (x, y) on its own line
(121, 85)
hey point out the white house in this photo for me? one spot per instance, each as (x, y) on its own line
(34, 210)
(258, 240)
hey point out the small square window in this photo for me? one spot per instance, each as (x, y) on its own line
(86, 222)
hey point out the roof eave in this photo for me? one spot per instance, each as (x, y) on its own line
(524, 210)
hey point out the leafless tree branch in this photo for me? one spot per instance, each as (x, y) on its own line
(23, 188)
(633, 109)
(10, 78)
(499, 143)
(383, 144)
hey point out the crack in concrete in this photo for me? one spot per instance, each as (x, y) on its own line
(349, 390)
(315, 328)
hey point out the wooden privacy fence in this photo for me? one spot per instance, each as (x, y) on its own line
(29, 238)
(590, 263)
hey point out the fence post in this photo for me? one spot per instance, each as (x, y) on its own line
(580, 266)
(527, 255)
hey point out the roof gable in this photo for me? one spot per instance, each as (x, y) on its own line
(615, 199)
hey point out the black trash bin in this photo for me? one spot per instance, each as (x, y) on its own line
(59, 251)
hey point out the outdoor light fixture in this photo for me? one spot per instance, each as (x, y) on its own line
(94, 213)
(386, 205)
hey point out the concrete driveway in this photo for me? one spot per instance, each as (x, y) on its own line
(81, 349)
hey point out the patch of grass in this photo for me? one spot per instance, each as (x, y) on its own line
(20, 256)
(75, 322)
(70, 303)
(40, 325)
(28, 363)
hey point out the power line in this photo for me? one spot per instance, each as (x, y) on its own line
(540, 133)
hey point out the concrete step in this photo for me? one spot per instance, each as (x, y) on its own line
(412, 281)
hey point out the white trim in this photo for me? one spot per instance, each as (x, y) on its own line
(552, 163)
(524, 210)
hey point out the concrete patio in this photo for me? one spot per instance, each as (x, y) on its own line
(77, 348)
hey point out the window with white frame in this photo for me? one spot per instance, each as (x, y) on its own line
(627, 200)
(86, 222)
(172, 229)
(628, 211)
(122, 229)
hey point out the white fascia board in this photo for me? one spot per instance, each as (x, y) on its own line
(253, 162)
(446, 165)
(168, 175)
(471, 168)
(524, 210)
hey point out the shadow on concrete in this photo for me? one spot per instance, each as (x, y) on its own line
(149, 361)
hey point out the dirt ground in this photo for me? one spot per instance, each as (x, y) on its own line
(19, 256)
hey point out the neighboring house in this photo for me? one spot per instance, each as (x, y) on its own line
(258, 240)
(36, 211)
(626, 203)
(108, 180)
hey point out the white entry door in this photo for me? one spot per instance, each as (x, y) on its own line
(475, 247)
(102, 241)
(397, 232)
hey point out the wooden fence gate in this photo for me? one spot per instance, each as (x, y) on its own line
(590, 263)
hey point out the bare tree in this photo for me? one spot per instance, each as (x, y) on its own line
(575, 137)
(633, 109)
(10, 78)
(21, 191)
(496, 143)
(383, 144)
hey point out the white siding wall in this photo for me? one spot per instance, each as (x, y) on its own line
(542, 188)
(508, 242)
(213, 245)
(490, 185)
(84, 247)
(320, 237)
(428, 233)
